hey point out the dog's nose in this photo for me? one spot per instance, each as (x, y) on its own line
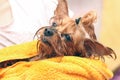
(48, 32)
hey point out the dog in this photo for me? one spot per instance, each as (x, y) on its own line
(67, 37)
(76, 37)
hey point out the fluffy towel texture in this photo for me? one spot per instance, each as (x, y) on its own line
(59, 68)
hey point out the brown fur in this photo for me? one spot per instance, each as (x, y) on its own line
(87, 21)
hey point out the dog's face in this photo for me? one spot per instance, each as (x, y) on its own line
(66, 36)
(61, 40)
(72, 36)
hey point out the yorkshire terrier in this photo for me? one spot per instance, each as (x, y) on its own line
(67, 37)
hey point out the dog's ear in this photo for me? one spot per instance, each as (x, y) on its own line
(94, 48)
(89, 18)
(62, 8)
(60, 13)
(87, 21)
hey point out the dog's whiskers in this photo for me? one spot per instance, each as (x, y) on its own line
(36, 34)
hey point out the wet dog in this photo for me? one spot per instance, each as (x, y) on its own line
(68, 37)
(72, 37)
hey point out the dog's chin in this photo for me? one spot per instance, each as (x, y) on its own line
(45, 40)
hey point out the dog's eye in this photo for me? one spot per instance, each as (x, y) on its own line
(54, 24)
(67, 37)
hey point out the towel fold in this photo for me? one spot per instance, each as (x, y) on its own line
(58, 68)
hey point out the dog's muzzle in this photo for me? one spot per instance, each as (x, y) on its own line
(48, 32)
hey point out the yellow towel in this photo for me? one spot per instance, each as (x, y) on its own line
(59, 68)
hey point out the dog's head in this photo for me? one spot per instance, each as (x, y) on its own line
(61, 17)
(66, 36)
(61, 37)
